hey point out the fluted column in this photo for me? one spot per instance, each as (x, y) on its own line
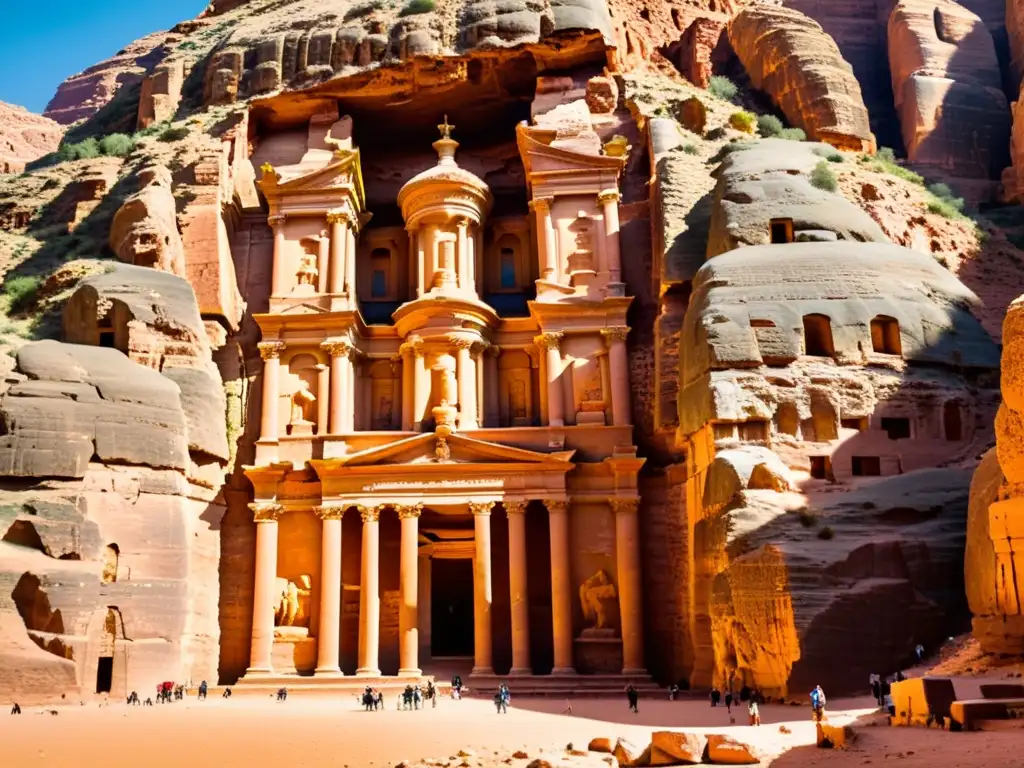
(466, 377)
(266, 516)
(463, 253)
(323, 262)
(618, 369)
(329, 639)
(561, 586)
(518, 594)
(482, 595)
(338, 221)
(369, 595)
(278, 275)
(545, 238)
(341, 366)
(491, 405)
(627, 564)
(271, 351)
(421, 388)
(408, 607)
(609, 200)
(553, 368)
(323, 401)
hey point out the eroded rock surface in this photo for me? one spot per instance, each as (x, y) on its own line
(145, 230)
(995, 523)
(948, 89)
(791, 58)
(25, 137)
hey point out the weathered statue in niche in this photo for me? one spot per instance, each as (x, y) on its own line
(308, 271)
(302, 403)
(600, 602)
(291, 602)
(582, 257)
(517, 398)
(385, 409)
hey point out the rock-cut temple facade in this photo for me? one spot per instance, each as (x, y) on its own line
(434, 392)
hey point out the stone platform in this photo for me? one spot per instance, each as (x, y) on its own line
(345, 684)
(565, 686)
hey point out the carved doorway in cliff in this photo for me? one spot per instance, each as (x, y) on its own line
(105, 663)
(451, 608)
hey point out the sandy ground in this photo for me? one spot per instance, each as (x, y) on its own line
(328, 731)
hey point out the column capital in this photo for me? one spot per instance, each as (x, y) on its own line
(549, 339)
(462, 223)
(337, 347)
(339, 216)
(271, 350)
(412, 345)
(492, 350)
(541, 205)
(408, 510)
(556, 506)
(609, 196)
(514, 506)
(481, 507)
(618, 333)
(330, 512)
(461, 342)
(369, 514)
(277, 219)
(266, 512)
(624, 506)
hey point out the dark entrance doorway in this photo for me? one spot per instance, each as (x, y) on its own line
(451, 608)
(104, 674)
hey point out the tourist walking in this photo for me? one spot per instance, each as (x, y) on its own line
(633, 697)
(754, 712)
(876, 689)
(432, 693)
(672, 692)
(16, 709)
(203, 688)
(728, 702)
(919, 650)
(502, 698)
(226, 694)
(818, 703)
(282, 694)
(716, 695)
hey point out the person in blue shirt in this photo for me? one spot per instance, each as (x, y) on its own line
(818, 703)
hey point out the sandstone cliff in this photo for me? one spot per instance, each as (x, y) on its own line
(792, 59)
(948, 90)
(995, 525)
(25, 137)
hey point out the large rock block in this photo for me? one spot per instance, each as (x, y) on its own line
(677, 748)
(74, 402)
(145, 231)
(922, 701)
(948, 89)
(25, 137)
(791, 58)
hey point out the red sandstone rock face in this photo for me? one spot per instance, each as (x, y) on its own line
(25, 137)
(948, 89)
(1015, 31)
(792, 59)
(83, 95)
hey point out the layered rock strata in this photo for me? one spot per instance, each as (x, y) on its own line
(822, 386)
(25, 137)
(792, 59)
(993, 571)
(948, 90)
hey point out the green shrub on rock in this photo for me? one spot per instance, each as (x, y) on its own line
(823, 177)
(722, 88)
(793, 134)
(415, 7)
(769, 126)
(742, 121)
(21, 291)
(116, 145)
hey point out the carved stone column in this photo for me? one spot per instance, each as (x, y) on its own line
(618, 366)
(329, 640)
(277, 280)
(323, 263)
(463, 254)
(491, 407)
(606, 384)
(421, 388)
(482, 595)
(408, 607)
(609, 200)
(408, 350)
(271, 351)
(351, 252)
(545, 238)
(265, 515)
(323, 402)
(627, 563)
(423, 607)
(369, 595)
(341, 369)
(553, 368)
(466, 376)
(476, 352)
(475, 273)
(518, 593)
(561, 586)
(338, 221)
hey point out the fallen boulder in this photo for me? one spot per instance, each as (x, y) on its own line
(677, 748)
(725, 750)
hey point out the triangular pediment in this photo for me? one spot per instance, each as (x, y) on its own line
(301, 308)
(430, 449)
(539, 156)
(339, 174)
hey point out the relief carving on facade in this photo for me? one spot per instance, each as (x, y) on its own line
(291, 604)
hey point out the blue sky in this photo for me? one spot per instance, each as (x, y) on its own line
(45, 41)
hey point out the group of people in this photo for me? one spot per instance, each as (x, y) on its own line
(502, 698)
(881, 689)
(746, 694)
